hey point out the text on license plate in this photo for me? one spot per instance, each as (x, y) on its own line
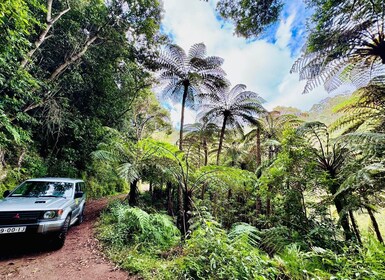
(12, 230)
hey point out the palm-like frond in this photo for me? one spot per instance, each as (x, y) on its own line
(348, 48)
(177, 69)
(241, 105)
(365, 112)
(243, 231)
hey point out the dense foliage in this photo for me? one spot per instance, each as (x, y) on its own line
(68, 69)
(212, 252)
(247, 193)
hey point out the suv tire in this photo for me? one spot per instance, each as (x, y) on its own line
(60, 237)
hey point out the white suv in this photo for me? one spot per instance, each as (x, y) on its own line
(44, 206)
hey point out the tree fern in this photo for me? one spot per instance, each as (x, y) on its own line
(183, 76)
(345, 46)
(232, 108)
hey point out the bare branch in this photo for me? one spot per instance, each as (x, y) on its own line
(43, 35)
(59, 70)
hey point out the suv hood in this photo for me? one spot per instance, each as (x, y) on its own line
(31, 203)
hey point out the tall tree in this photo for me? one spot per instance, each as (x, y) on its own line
(186, 75)
(332, 157)
(250, 17)
(232, 108)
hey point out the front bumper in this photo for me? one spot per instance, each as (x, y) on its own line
(42, 227)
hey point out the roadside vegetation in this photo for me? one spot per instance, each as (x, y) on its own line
(243, 193)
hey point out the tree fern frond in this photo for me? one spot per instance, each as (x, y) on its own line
(243, 231)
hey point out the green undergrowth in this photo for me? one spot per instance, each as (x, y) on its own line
(149, 245)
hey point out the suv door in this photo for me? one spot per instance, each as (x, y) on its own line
(78, 201)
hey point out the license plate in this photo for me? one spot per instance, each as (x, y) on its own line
(12, 230)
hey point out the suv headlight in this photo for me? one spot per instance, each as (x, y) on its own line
(49, 214)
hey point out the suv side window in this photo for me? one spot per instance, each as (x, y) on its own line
(80, 187)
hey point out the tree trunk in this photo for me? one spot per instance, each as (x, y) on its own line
(203, 191)
(268, 202)
(133, 194)
(181, 219)
(221, 137)
(338, 202)
(258, 206)
(199, 156)
(375, 224)
(206, 151)
(258, 148)
(355, 227)
(258, 159)
(185, 91)
(170, 207)
(229, 194)
(150, 189)
(188, 207)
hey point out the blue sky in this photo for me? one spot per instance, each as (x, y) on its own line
(262, 64)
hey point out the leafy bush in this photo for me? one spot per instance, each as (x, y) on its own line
(128, 226)
(211, 253)
(366, 262)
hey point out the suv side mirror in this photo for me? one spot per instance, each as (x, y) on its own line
(6, 193)
(79, 194)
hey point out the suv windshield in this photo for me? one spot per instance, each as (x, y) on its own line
(43, 189)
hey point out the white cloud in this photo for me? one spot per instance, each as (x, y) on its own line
(262, 65)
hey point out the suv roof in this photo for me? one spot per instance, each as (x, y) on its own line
(56, 179)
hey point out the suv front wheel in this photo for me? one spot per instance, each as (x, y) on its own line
(60, 237)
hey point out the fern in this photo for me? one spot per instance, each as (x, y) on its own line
(242, 231)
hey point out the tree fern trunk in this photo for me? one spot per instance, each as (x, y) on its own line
(185, 91)
(133, 195)
(170, 206)
(203, 191)
(181, 219)
(221, 137)
(338, 202)
(375, 224)
(258, 206)
(206, 151)
(268, 202)
(258, 148)
(187, 209)
(258, 160)
(355, 227)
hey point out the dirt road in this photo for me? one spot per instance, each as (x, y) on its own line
(80, 258)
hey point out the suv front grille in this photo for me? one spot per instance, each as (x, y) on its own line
(19, 217)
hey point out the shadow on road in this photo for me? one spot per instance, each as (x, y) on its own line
(16, 246)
